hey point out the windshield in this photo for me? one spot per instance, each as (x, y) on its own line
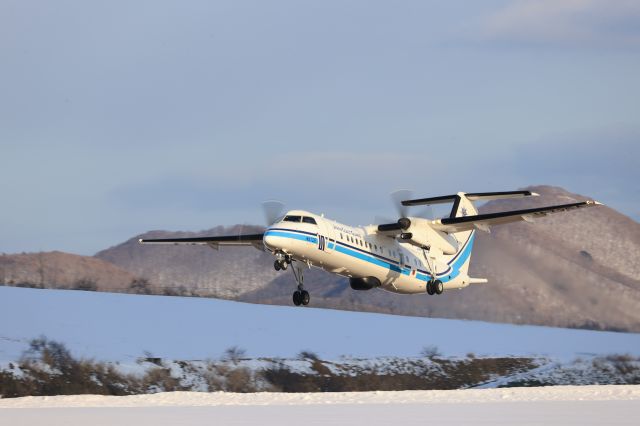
(292, 218)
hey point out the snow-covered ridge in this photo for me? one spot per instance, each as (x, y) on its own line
(121, 327)
(199, 399)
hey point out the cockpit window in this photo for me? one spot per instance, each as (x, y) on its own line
(307, 219)
(292, 219)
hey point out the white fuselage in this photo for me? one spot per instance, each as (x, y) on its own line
(360, 252)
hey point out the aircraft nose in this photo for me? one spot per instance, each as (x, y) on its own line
(270, 239)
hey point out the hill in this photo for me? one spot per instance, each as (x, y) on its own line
(72, 342)
(580, 269)
(195, 270)
(62, 270)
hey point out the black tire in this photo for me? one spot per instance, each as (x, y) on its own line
(276, 265)
(438, 286)
(297, 298)
(284, 265)
(304, 297)
(430, 289)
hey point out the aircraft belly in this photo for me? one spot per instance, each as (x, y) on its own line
(347, 264)
(405, 285)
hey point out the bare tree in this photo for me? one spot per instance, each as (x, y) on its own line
(234, 354)
(140, 286)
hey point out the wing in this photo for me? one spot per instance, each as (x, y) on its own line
(483, 221)
(254, 240)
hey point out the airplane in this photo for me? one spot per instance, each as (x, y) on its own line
(413, 255)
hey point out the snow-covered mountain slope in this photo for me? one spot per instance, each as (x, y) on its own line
(125, 327)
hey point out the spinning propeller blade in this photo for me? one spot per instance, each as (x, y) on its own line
(398, 197)
(272, 210)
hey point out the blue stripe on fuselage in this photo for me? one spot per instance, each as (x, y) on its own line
(452, 272)
(294, 235)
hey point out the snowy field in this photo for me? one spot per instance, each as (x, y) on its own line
(118, 327)
(121, 327)
(560, 405)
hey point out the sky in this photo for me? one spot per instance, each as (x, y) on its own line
(121, 117)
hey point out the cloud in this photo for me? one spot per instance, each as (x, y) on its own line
(599, 23)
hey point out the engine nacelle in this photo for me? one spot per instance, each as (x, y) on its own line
(366, 283)
(421, 234)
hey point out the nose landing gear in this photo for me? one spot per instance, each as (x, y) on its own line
(282, 261)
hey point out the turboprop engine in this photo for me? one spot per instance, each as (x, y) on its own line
(418, 231)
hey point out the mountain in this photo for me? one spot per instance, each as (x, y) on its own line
(195, 270)
(62, 270)
(580, 269)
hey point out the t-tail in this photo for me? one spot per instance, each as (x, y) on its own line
(462, 223)
(463, 207)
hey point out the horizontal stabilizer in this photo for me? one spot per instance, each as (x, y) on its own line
(471, 196)
(478, 280)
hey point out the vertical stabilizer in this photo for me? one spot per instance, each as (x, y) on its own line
(462, 206)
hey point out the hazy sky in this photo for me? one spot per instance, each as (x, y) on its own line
(120, 117)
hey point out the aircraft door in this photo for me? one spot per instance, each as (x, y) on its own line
(326, 242)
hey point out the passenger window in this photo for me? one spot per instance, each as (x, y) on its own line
(292, 219)
(306, 219)
(341, 237)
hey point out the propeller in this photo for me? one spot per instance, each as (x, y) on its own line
(272, 210)
(397, 197)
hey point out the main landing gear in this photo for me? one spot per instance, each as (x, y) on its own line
(282, 262)
(434, 287)
(300, 296)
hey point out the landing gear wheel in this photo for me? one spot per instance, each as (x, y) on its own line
(280, 265)
(438, 286)
(304, 297)
(430, 288)
(300, 296)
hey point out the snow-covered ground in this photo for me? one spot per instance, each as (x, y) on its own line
(120, 327)
(560, 405)
(214, 399)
